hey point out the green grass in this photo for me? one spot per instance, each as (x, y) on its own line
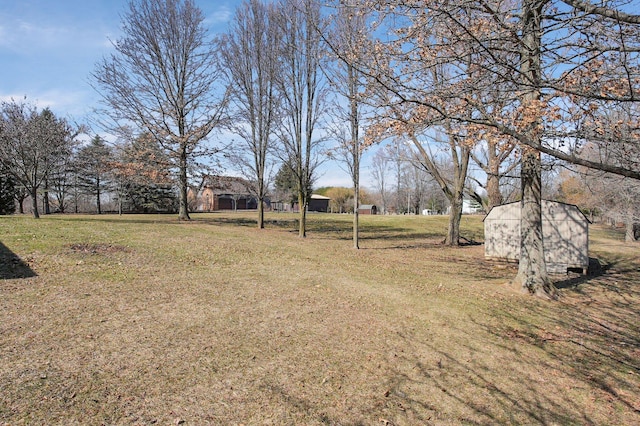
(142, 319)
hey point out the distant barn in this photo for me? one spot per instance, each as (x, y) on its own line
(367, 209)
(565, 232)
(225, 193)
(318, 203)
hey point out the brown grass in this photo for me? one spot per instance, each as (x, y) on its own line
(146, 320)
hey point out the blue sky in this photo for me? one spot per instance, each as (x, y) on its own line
(49, 48)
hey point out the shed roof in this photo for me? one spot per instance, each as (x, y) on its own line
(511, 211)
(319, 197)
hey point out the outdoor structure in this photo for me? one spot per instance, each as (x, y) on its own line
(281, 206)
(468, 207)
(430, 212)
(225, 193)
(318, 203)
(471, 207)
(368, 209)
(565, 232)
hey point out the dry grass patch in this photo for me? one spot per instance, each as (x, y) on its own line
(146, 320)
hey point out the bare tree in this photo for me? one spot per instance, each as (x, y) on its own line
(30, 143)
(495, 158)
(611, 139)
(249, 53)
(341, 199)
(619, 206)
(303, 95)
(379, 170)
(61, 179)
(401, 72)
(405, 123)
(458, 152)
(21, 195)
(416, 182)
(165, 78)
(346, 40)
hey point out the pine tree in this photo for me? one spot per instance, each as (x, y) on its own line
(7, 194)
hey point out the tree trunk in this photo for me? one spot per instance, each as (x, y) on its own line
(356, 214)
(355, 145)
(493, 187)
(355, 151)
(98, 205)
(455, 215)
(532, 274)
(61, 203)
(261, 194)
(629, 235)
(45, 198)
(302, 203)
(34, 203)
(261, 214)
(183, 213)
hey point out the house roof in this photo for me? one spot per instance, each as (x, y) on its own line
(227, 185)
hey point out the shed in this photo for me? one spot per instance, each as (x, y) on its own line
(565, 232)
(318, 203)
(367, 209)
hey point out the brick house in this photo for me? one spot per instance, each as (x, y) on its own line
(225, 193)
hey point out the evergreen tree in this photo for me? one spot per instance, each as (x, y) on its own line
(286, 185)
(7, 194)
(94, 164)
(141, 177)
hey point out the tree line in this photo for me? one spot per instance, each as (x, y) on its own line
(67, 176)
(512, 87)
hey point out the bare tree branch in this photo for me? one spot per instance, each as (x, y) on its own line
(603, 11)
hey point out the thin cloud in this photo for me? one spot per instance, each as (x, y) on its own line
(26, 37)
(4, 34)
(221, 15)
(20, 35)
(65, 102)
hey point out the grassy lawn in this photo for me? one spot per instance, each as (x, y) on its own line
(146, 320)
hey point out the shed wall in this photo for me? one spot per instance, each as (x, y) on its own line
(564, 228)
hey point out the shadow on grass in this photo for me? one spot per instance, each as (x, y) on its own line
(333, 229)
(596, 269)
(11, 266)
(226, 220)
(158, 218)
(318, 226)
(576, 361)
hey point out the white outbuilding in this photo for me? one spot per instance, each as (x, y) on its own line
(565, 231)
